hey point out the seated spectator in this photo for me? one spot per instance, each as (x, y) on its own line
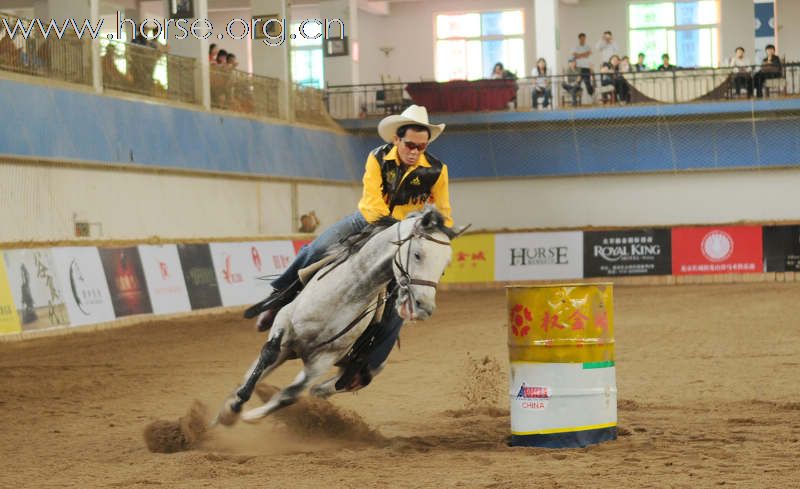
(231, 61)
(9, 53)
(742, 78)
(621, 87)
(625, 64)
(222, 57)
(213, 51)
(500, 73)
(572, 80)
(770, 68)
(541, 87)
(640, 66)
(665, 66)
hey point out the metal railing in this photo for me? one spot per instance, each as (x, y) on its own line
(68, 59)
(149, 71)
(243, 92)
(551, 92)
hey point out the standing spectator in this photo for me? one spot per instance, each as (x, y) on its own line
(572, 81)
(770, 68)
(541, 87)
(606, 47)
(640, 66)
(581, 54)
(742, 77)
(665, 66)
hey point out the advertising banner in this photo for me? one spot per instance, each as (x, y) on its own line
(714, 250)
(9, 320)
(629, 252)
(164, 276)
(83, 285)
(782, 248)
(472, 260)
(126, 282)
(538, 256)
(244, 271)
(35, 289)
(198, 272)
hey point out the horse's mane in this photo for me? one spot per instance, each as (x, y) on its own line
(353, 244)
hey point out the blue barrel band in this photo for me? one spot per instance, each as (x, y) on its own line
(572, 439)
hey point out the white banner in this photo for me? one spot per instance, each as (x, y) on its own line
(35, 289)
(164, 276)
(245, 270)
(538, 256)
(83, 285)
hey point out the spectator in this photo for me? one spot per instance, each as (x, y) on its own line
(606, 79)
(665, 66)
(308, 222)
(541, 87)
(9, 53)
(213, 51)
(572, 81)
(770, 68)
(112, 76)
(222, 57)
(500, 73)
(581, 54)
(232, 63)
(640, 66)
(625, 64)
(606, 47)
(742, 77)
(621, 86)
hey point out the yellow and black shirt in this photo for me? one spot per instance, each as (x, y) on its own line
(388, 192)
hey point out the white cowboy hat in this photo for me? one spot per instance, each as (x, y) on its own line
(415, 114)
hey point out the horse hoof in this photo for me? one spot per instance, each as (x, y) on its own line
(227, 416)
(254, 415)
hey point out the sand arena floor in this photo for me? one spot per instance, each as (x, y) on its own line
(708, 380)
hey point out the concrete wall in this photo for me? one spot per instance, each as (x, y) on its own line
(42, 202)
(788, 11)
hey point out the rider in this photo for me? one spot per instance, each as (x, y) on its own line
(400, 177)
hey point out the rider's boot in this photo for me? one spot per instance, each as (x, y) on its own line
(269, 307)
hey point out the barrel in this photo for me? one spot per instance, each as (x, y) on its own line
(563, 390)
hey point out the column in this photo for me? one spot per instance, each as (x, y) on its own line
(546, 19)
(341, 69)
(195, 46)
(271, 56)
(79, 11)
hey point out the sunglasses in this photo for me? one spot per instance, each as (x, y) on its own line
(412, 146)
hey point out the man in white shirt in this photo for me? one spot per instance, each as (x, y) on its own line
(606, 47)
(581, 54)
(742, 76)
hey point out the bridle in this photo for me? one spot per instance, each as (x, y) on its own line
(403, 283)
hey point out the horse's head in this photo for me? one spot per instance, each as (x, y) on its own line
(423, 254)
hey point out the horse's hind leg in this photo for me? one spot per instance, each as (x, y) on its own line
(270, 358)
(313, 369)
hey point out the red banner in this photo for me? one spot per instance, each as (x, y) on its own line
(299, 243)
(713, 250)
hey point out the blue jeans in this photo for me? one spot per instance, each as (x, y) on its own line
(315, 250)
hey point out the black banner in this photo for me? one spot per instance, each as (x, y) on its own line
(198, 271)
(782, 248)
(629, 252)
(126, 282)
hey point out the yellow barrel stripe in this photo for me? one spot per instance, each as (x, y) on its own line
(565, 430)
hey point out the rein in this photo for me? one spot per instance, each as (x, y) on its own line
(404, 282)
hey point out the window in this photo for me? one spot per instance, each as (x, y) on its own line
(686, 30)
(307, 64)
(468, 45)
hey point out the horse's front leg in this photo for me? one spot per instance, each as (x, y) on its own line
(314, 368)
(269, 359)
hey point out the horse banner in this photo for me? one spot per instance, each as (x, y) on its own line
(126, 282)
(9, 320)
(83, 285)
(164, 277)
(472, 261)
(538, 256)
(35, 289)
(244, 270)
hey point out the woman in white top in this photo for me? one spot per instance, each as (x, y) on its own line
(742, 73)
